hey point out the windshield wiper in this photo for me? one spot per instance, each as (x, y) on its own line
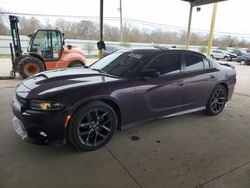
(99, 70)
(104, 72)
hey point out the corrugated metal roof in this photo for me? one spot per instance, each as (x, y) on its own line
(202, 2)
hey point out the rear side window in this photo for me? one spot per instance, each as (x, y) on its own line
(166, 64)
(193, 62)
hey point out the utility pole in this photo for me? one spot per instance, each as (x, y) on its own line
(121, 26)
(211, 35)
(189, 26)
(101, 30)
(101, 20)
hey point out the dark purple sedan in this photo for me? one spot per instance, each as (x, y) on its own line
(84, 106)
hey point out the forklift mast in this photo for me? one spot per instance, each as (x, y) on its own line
(15, 35)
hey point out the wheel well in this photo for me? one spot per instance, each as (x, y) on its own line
(225, 86)
(76, 61)
(110, 103)
(116, 109)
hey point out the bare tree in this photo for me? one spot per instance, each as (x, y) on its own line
(28, 26)
(3, 28)
(87, 30)
(111, 33)
(90, 47)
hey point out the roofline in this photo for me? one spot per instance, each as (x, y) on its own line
(202, 2)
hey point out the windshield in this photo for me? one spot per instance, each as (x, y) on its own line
(120, 63)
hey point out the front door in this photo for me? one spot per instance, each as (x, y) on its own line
(163, 95)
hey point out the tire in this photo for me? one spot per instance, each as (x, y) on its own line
(216, 101)
(226, 58)
(92, 126)
(29, 66)
(243, 62)
(76, 64)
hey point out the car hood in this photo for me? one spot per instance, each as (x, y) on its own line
(62, 79)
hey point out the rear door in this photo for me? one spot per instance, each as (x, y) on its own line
(163, 95)
(200, 80)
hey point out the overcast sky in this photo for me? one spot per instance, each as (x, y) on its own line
(233, 15)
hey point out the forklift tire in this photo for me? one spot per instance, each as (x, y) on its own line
(29, 66)
(76, 64)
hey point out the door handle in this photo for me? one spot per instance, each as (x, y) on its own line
(212, 76)
(180, 83)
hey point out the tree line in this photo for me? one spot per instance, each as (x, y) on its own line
(88, 30)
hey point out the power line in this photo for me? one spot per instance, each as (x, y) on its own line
(135, 21)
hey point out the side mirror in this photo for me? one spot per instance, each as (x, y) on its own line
(63, 41)
(150, 73)
(31, 35)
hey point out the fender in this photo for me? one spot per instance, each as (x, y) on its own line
(109, 100)
(73, 54)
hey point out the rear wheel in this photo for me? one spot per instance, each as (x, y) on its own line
(76, 64)
(216, 101)
(243, 62)
(92, 126)
(29, 66)
(226, 58)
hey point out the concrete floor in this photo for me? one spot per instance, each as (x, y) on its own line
(186, 151)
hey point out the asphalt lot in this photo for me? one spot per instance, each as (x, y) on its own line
(192, 150)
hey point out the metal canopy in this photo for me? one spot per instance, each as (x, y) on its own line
(193, 3)
(202, 2)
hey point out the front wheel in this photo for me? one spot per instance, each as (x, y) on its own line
(216, 101)
(92, 126)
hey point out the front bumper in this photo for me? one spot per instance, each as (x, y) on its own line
(38, 127)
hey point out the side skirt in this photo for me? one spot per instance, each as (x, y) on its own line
(163, 117)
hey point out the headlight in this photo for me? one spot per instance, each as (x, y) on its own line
(45, 105)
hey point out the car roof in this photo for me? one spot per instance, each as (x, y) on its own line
(160, 49)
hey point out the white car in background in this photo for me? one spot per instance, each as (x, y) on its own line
(222, 54)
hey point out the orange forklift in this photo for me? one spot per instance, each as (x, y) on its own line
(46, 51)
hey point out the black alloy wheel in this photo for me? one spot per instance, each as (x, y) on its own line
(93, 126)
(217, 101)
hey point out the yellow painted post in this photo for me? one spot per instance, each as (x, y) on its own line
(189, 26)
(211, 35)
(101, 54)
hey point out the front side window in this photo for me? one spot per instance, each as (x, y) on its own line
(193, 62)
(166, 64)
